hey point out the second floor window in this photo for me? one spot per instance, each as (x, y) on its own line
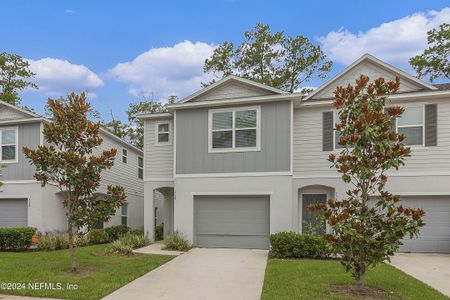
(140, 167)
(8, 141)
(162, 133)
(124, 156)
(411, 125)
(236, 129)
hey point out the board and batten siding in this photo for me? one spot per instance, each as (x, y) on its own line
(158, 158)
(28, 136)
(309, 159)
(124, 174)
(192, 143)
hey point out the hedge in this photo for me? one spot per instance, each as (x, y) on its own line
(16, 238)
(115, 232)
(297, 245)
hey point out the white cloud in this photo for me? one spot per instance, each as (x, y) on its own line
(394, 41)
(56, 77)
(161, 72)
(69, 11)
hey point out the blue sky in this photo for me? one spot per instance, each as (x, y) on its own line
(120, 51)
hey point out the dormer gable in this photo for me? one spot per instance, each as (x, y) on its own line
(374, 68)
(232, 87)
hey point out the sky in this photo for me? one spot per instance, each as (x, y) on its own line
(122, 51)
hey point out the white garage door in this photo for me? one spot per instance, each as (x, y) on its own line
(13, 212)
(232, 221)
(435, 236)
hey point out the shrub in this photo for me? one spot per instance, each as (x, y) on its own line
(16, 238)
(115, 232)
(59, 240)
(137, 231)
(126, 244)
(176, 242)
(159, 232)
(119, 247)
(296, 245)
(98, 236)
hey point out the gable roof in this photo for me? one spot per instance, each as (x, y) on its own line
(373, 60)
(228, 80)
(43, 119)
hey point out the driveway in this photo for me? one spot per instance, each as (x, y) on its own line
(202, 274)
(433, 269)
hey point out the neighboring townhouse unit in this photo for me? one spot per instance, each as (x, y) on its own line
(23, 202)
(239, 160)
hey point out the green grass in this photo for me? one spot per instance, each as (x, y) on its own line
(99, 276)
(311, 279)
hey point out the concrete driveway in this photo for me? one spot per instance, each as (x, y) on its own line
(433, 269)
(201, 274)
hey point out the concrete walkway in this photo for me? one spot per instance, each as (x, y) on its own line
(209, 274)
(433, 269)
(156, 248)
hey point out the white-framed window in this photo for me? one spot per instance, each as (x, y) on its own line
(9, 137)
(140, 163)
(124, 156)
(162, 133)
(234, 129)
(124, 214)
(411, 124)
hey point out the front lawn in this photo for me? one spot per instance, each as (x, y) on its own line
(314, 279)
(99, 274)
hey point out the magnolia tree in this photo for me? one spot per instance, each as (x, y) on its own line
(369, 223)
(70, 163)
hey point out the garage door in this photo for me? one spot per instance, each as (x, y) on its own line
(231, 221)
(435, 236)
(13, 212)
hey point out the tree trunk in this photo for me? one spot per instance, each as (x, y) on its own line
(361, 277)
(73, 256)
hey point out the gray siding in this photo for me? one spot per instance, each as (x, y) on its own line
(8, 113)
(158, 158)
(29, 136)
(192, 143)
(310, 160)
(232, 90)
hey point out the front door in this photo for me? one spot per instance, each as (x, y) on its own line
(310, 223)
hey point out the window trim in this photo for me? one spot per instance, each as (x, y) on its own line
(140, 168)
(414, 125)
(157, 142)
(10, 161)
(233, 129)
(125, 156)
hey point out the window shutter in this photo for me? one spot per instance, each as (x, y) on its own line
(327, 131)
(430, 125)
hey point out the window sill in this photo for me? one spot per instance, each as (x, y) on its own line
(236, 150)
(9, 161)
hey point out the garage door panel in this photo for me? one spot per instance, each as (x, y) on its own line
(435, 235)
(231, 221)
(13, 212)
(230, 241)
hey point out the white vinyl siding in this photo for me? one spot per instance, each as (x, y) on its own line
(158, 158)
(309, 160)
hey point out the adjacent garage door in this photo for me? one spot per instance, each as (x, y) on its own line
(231, 221)
(435, 236)
(13, 212)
